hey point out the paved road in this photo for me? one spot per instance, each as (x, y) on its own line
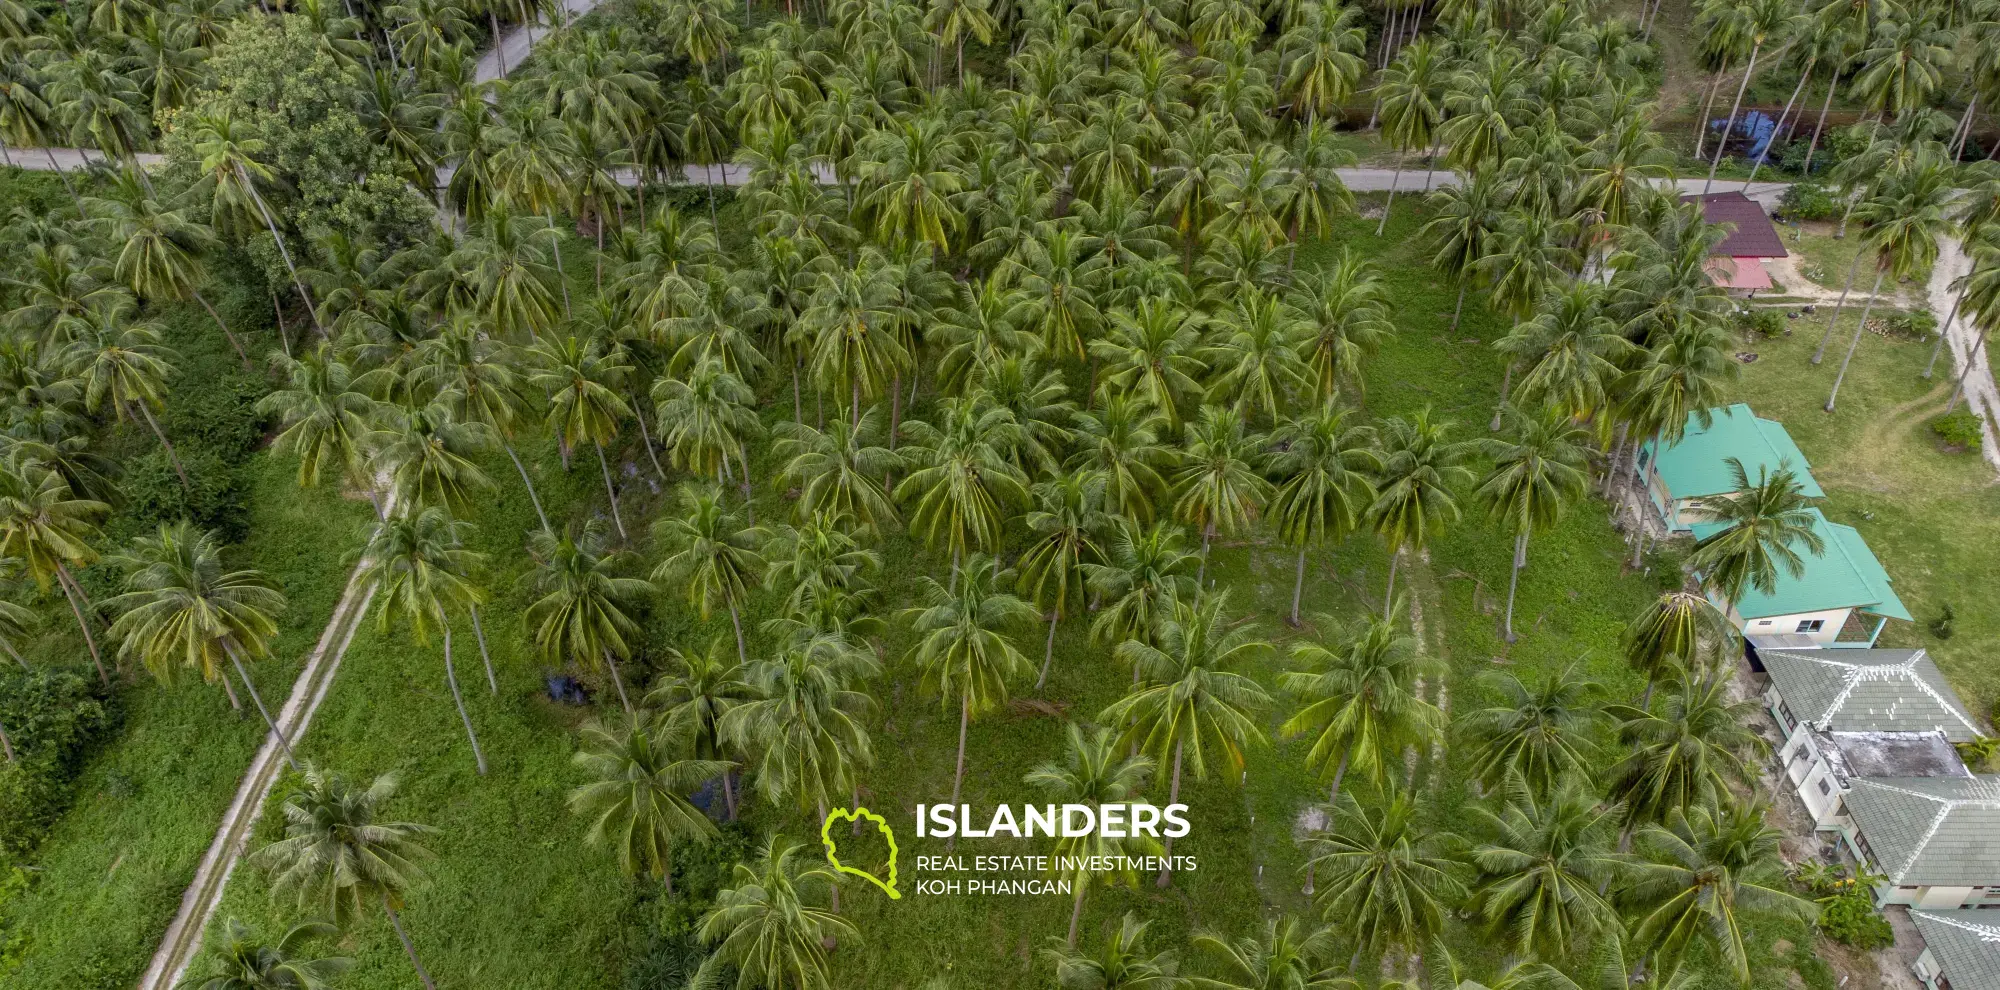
(516, 42)
(1962, 341)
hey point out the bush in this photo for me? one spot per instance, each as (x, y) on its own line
(1808, 201)
(1761, 321)
(1851, 920)
(1941, 627)
(1918, 326)
(53, 716)
(213, 499)
(1961, 430)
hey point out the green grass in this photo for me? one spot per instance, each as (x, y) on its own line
(1827, 259)
(515, 895)
(1931, 517)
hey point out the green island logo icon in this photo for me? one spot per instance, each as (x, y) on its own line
(832, 853)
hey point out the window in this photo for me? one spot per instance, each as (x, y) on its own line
(1763, 622)
(1811, 625)
(1824, 788)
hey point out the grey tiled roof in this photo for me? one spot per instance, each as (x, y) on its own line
(1930, 830)
(1966, 944)
(1868, 691)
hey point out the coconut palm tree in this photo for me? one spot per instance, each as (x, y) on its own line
(853, 346)
(1324, 466)
(710, 558)
(123, 363)
(1678, 628)
(1537, 735)
(581, 614)
(324, 420)
(1388, 878)
(182, 609)
(1120, 965)
(1761, 23)
(1284, 954)
(1121, 442)
(245, 962)
(804, 730)
(1414, 500)
(1189, 704)
(476, 376)
(1345, 316)
(1904, 222)
(1257, 365)
(1068, 516)
(963, 648)
(586, 401)
(1710, 869)
(704, 418)
(692, 696)
(1320, 59)
(1220, 486)
(1094, 773)
(1571, 353)
(1410, 96)
(1465, 218)
(230, 174)
(963, 483)
(1534, 477)
(427, 455)
(1144, 575)
(1762, 526)
(1687, 754)
(49, 529)
(1542, 867)
(337, 860)
(421, 569)
(633, 797)
(767, 927)
(162, 253)
(1151, 352)
(1358, 703)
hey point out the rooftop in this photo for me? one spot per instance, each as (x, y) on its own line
(1754, 237)
(1891, 754)
(1847, 575)
(1698, 464)
(1930, 830)
(1966, 943)
(1869, 691)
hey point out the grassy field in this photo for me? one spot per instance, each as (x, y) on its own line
(1932, 517)
(514, 893)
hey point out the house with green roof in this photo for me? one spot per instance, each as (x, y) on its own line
(1935, 840)
(1961, 949)
(1862, 713)
(1842, 599)
(1698, 463)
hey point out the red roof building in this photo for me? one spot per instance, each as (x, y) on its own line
(1737, 262)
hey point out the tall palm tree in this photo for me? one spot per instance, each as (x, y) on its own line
(1687, 754)
(427, 456)
(586, 401)
(1121, 442)
(245, 962)
(1465, 218)
(1388, 877)
(1151, 352)
(1285, 955)
(1678, 628)
(1189, 704)
(963, 484)
(231, 173)
(1537, 735)
(633, 797)
(162, 253)
(1220, 486)
(766, 926)
(804, 730)
(476, 376)
(123, 363)
(51, 530)
(581, 614)
(182, 609)
(1066, 521)
(1414, 500)
(1904, 223)
(1764, 524)
(1122, 964)
(339, 861)
(1534, 477)
(835, 470)
(963, 646)
(1093, 773)
(1542, 868)
(1411, 107)
(1142, 578)
(324, 420)
(713, 560)
(1359, 704)
(1710, 869)
(421, 569)
(1762, 22)
(1324, 466)
(1345, 313)
(693, 695)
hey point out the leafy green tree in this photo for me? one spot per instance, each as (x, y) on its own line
(1903, 223)
(245, 962)
(633, 797)
(713, 560)
(1324, 487)
(1414, 500)
(1411, 106)
(427, 456)
(337, 859)
(1345, 316)
(1764, 525)
(230, 174)
(1537, 735)
(162, 254)
(1121, 441)
(123, 363)
(421, 569)
(1535, 475)
(1320, 58)
(477, 377)
(1687, 754)
(766, 926)
(1679, 627)
(1150, 352)
(1710, 869)
(1189, 704)
(1094, 773)
(581, 612)
(1143, 576)
(804, 729)
(1285, 955)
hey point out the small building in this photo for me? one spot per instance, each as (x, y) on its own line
(1737, 264)
(1697, 465)
(1935, 839)
(1961, 949)
(1862, 713)
(1842, 600)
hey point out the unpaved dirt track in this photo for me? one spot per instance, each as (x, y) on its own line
(1959, 337)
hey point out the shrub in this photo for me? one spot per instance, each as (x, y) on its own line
(53, 716)
(1808, 201)
(1918, 326)
(1761, 321)
(1851, 919)
(1961, 430)
(1941, 627)
(213, 499)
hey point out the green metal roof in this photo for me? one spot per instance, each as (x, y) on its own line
(1930, 831)
(1698, 464)
(1847, 575)
(1966, 943)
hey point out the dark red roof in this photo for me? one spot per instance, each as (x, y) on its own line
(1754, 236)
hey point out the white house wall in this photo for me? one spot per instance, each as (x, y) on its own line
(1831, 622)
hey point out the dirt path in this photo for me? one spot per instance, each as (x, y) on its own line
(1959, 338)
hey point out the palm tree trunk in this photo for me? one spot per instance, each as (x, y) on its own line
(958, 775)
(1298, 585)
(73, 593)
(854, 410)
(479, 633)
(1813, 145)
(1946, 325)
(283, 743)
(1076, 906)
(1506, 386)
(396, 922)
(1514, 578)
(1819, 353)
(728, 795)
(1048, 650)
(749, 504)
(1173, 797)
(617, 681)
(605, 467)
(798, 404)
(283, 251)
(1701, 123)
(1389, 593)
(217, 317)
(16, 654)
(1965, 130)
(646, 438)
(1395, 178)
(1617, 459)
(172, 457)
(1460, 308)
(1729, 127)
(451, 678)
(532, 497)
(1855, 342)
(1332, 803)
(1959, 389)
(1803, 76)
(7, 745)
(1201, 573)
(562, 278)
(735, 619)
